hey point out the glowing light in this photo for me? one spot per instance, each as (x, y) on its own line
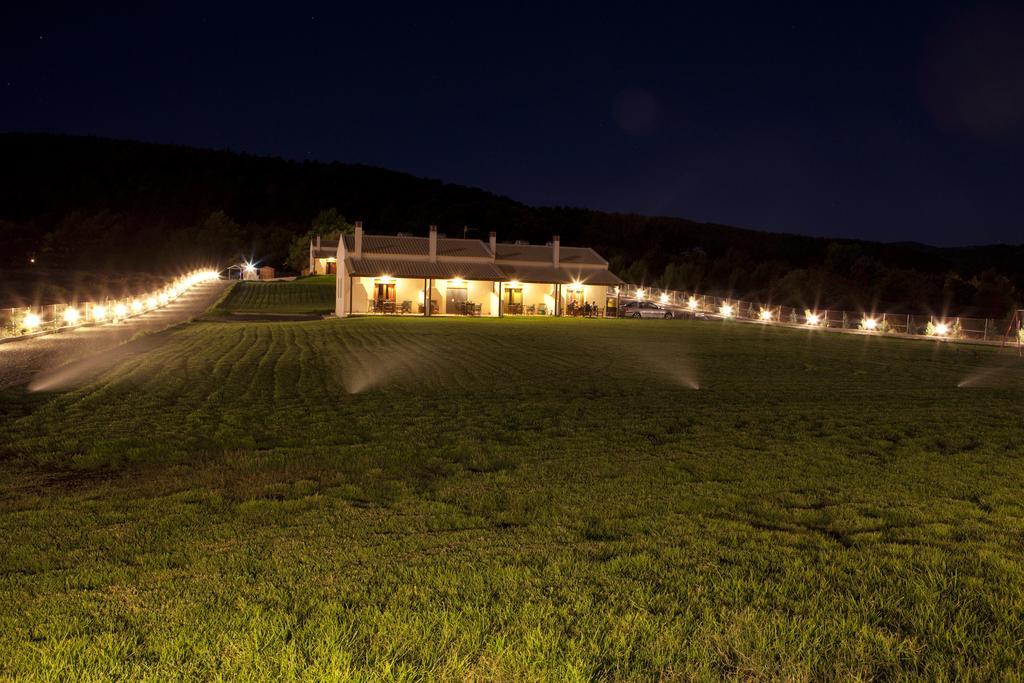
(385, 278)
(151, 302)
(31, 321)
(576, 286)
(663, 298)
(691, 303)
(766, 315)
(941, 330)
(456, 282)
(869, 324)
(163, 298)
(136, 306)
(120, 310)
(516, 284)
(99, 312)
(726, 310)
(640, 293)
(70, 315)
(813, 319)
(250, 268)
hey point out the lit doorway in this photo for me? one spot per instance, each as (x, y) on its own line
(384, 297)
(456, 297)
(514, 300)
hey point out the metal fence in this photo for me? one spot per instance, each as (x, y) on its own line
(940, 327)
(33, 320)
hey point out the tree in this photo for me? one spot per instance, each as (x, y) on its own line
(218, 236)
(329, 225)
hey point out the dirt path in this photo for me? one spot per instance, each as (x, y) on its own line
(34, 360)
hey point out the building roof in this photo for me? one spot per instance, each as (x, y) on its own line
(475, 270)
(471, 259)
(440, 270)
(562, 276)
(542, 254)
(419, 246)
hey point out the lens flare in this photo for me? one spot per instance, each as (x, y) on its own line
(136, 306)
(941, 330)
(726, 310)
(31, 321)
(691, 303)
(869, 324)
(663, 298)
(71, 315)
(99, 313)
(813, 319)
(120, 310)
(766, 315)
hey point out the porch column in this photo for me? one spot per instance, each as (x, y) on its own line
(500, 302)
(350, 285)
(426, 297)
(427, 303)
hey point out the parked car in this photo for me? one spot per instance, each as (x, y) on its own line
(643, 309)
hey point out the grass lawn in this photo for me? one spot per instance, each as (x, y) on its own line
(302, 295)
(517, 499)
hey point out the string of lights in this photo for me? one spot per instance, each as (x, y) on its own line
(23, 322)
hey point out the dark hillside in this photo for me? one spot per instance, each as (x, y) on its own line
(96, 204)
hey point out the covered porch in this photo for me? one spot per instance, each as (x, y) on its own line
(389, 295)
(408, 287)
(542, 290)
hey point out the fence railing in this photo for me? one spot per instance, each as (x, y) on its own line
(940, 327)
(31, 320)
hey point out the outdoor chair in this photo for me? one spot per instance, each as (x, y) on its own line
(406, 307)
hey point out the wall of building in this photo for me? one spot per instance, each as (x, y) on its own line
(481, 292)
(592, 294)
(324, 266)
(535, 295)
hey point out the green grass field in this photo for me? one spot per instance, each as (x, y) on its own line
(303, 295)
(518, 499)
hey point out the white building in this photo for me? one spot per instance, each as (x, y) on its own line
(399, 274)
(323, 257)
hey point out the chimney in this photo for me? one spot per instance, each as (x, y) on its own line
(357, 248)
(433, 242)
(555, 242)
(494, 244)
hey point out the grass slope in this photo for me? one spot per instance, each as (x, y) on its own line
(303, 295)
(426, 499)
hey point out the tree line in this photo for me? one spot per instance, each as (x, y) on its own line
(95, 204)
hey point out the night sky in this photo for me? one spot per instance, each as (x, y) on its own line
(891, 121)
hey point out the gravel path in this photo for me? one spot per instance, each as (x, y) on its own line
(33, 360)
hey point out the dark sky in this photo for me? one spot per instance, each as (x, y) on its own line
(889, 121)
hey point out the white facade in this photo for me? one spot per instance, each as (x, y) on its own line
(384, 274)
